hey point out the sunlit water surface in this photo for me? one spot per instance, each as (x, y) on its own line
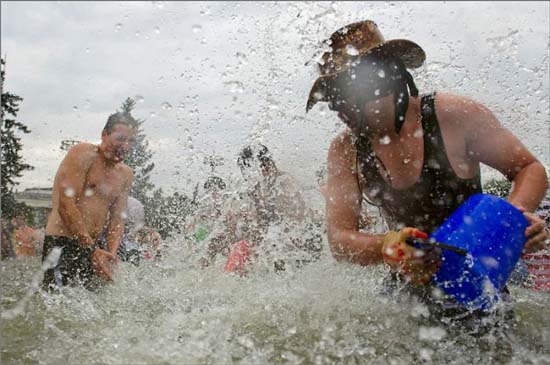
(174, 312)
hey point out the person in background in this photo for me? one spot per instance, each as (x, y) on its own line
(205, 219)
(270, 200)
(138, 241)
(26, 239)
(7, 251)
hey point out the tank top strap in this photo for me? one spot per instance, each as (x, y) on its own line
(435, 155)
(427, 110)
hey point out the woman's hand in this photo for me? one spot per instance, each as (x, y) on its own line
(417, 265)
(538, 235)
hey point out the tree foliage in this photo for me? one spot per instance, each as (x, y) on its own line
(12, 164)
(139, 159)
(164, 213)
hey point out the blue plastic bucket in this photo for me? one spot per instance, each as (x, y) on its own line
(492, 231)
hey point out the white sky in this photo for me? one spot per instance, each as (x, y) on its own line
(229, 70)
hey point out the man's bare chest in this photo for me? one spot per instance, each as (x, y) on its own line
(103, 182)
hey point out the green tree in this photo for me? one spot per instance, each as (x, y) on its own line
(12, 164)
(164, 213)
(139, 159)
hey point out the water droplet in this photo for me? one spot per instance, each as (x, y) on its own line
(137, 33)
(418, 133)
(87, 50)
(118, 26)
(418, 253)
(377, 92)
(69, 192)
(318, 95)
(385, 140)
(157, 30)
(166, 106)
(234, 86)
(431, 333)
(75, 108)
(406, 161)
(351, 50)
(242, 58)
(181, 106)
(490, 262)
(152, 114)
(139, 98)
(88, 192)
(381, 74)
(196, 28)
(203, 41)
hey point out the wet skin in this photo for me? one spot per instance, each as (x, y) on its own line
(90, 192)
(472, 135)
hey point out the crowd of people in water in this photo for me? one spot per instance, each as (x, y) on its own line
(415, 157)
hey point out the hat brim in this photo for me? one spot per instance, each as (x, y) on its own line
(410, 53)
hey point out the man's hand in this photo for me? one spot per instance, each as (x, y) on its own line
(104, 263)
(416, 265)
(537, 233)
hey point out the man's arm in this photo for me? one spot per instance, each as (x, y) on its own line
(71, 177)
(115, 228)
(343, 206)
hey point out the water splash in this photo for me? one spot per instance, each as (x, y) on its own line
(50, 262)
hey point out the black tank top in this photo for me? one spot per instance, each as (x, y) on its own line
(437, 193)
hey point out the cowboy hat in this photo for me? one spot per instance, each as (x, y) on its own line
(350, 45)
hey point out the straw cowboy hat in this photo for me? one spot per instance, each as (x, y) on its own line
(350, 45)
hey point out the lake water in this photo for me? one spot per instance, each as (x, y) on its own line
(174, 312)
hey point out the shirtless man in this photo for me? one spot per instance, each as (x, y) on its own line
(89, 194)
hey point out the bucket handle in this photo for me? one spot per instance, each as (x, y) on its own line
(430, 243)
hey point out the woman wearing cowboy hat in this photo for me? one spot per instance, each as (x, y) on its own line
(416, 157)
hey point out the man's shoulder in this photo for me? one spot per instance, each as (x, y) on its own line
(83, 151)
(80, 156)
(84, 147)
(125, 172)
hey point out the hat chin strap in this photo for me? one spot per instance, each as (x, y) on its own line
(401, 95)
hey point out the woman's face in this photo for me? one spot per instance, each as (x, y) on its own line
(373, 114)
(365, 93)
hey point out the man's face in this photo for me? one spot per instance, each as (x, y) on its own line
(119, 142)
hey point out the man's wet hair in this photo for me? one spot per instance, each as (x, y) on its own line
(120, 118)
(214, 182)
(249, 154)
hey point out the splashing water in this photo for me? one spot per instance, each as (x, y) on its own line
(174, 312)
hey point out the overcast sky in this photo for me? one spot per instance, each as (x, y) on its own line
(210, 76)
